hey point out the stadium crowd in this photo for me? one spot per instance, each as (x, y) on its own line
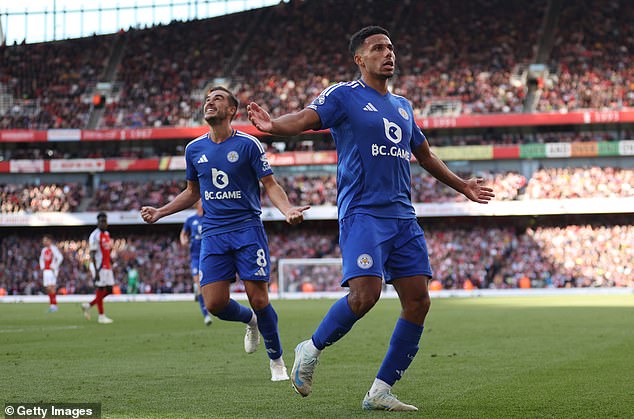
(39, 198)
(320, 189)
(592, 58)
(48, 81)
(574, 182)
(472, 52)
(130, 195)
(485, 257)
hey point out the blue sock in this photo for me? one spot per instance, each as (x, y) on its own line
(403, 348)
(235, 312)
(337, 322)
(267, 324)
(201, 302)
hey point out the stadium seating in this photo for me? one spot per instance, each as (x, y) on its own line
(488, 257)
(466, 52)
(36, 198)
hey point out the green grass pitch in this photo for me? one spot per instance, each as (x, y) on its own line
(547, 357)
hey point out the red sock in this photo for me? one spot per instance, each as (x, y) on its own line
(52, 298)
(102, 295)
(97, 297)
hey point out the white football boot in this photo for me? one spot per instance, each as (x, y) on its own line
(385, 400)
(303, 368)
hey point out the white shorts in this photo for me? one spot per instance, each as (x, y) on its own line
(106, 278)
(50, 278)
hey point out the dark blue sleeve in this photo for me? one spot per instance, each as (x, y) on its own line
(328, 106)
(187, 228)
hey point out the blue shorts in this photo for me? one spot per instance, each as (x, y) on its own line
(388, 248)
(245, 252)
(194, 264)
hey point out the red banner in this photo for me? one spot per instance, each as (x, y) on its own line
(462, 121)
(22, 136)
(506, 152)
(131, 165)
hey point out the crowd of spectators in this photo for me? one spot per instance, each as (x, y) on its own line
(591, 58)
(164, 70)
(466, 52)
(321, 189)
(484, 257)
(39, 198)
(47, 81)
(130, 195)
(575, 182)
(589, 255)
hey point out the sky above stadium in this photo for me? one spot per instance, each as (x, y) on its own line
(34, 20)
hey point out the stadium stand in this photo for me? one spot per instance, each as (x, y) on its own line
(466, 58)
(591, 58)
(36, 198)
(472, 54)
(320, 189)
(488, 257)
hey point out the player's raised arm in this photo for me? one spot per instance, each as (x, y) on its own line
(289, 124)
(294, 215)
(184, 200)
(471, 188)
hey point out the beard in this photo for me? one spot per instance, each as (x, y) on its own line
(217, 118)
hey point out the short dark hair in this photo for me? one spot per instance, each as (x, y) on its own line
(359, 38)
(232, 98)
(102, 215)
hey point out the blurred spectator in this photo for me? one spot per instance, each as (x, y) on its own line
(57, 198)
(576, 182)
(486, 257)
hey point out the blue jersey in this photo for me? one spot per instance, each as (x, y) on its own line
(374, 135)
(194, 228)
(229, 176)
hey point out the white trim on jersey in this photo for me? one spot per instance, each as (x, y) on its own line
(330, 89)
(194, 140)
(252, 138)
(56, 261)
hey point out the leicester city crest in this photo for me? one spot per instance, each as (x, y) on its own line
(233, 156)
(365, 261)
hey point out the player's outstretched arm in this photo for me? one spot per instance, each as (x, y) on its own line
(184, 200)
(471, 188)
(289, 124)
(294, 215)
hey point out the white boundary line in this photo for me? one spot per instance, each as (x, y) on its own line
(535, 292)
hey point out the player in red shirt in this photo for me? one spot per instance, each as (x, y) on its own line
(100, 246)
(50, 260)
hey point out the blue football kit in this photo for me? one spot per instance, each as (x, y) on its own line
(233, 237)
(374, 135)
(193, 228)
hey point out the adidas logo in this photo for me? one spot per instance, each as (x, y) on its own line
(370, 108)
(260, 272)
(202, 159)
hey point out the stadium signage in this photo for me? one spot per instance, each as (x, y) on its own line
(461, 121)
(328, 212)
(306, 158)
